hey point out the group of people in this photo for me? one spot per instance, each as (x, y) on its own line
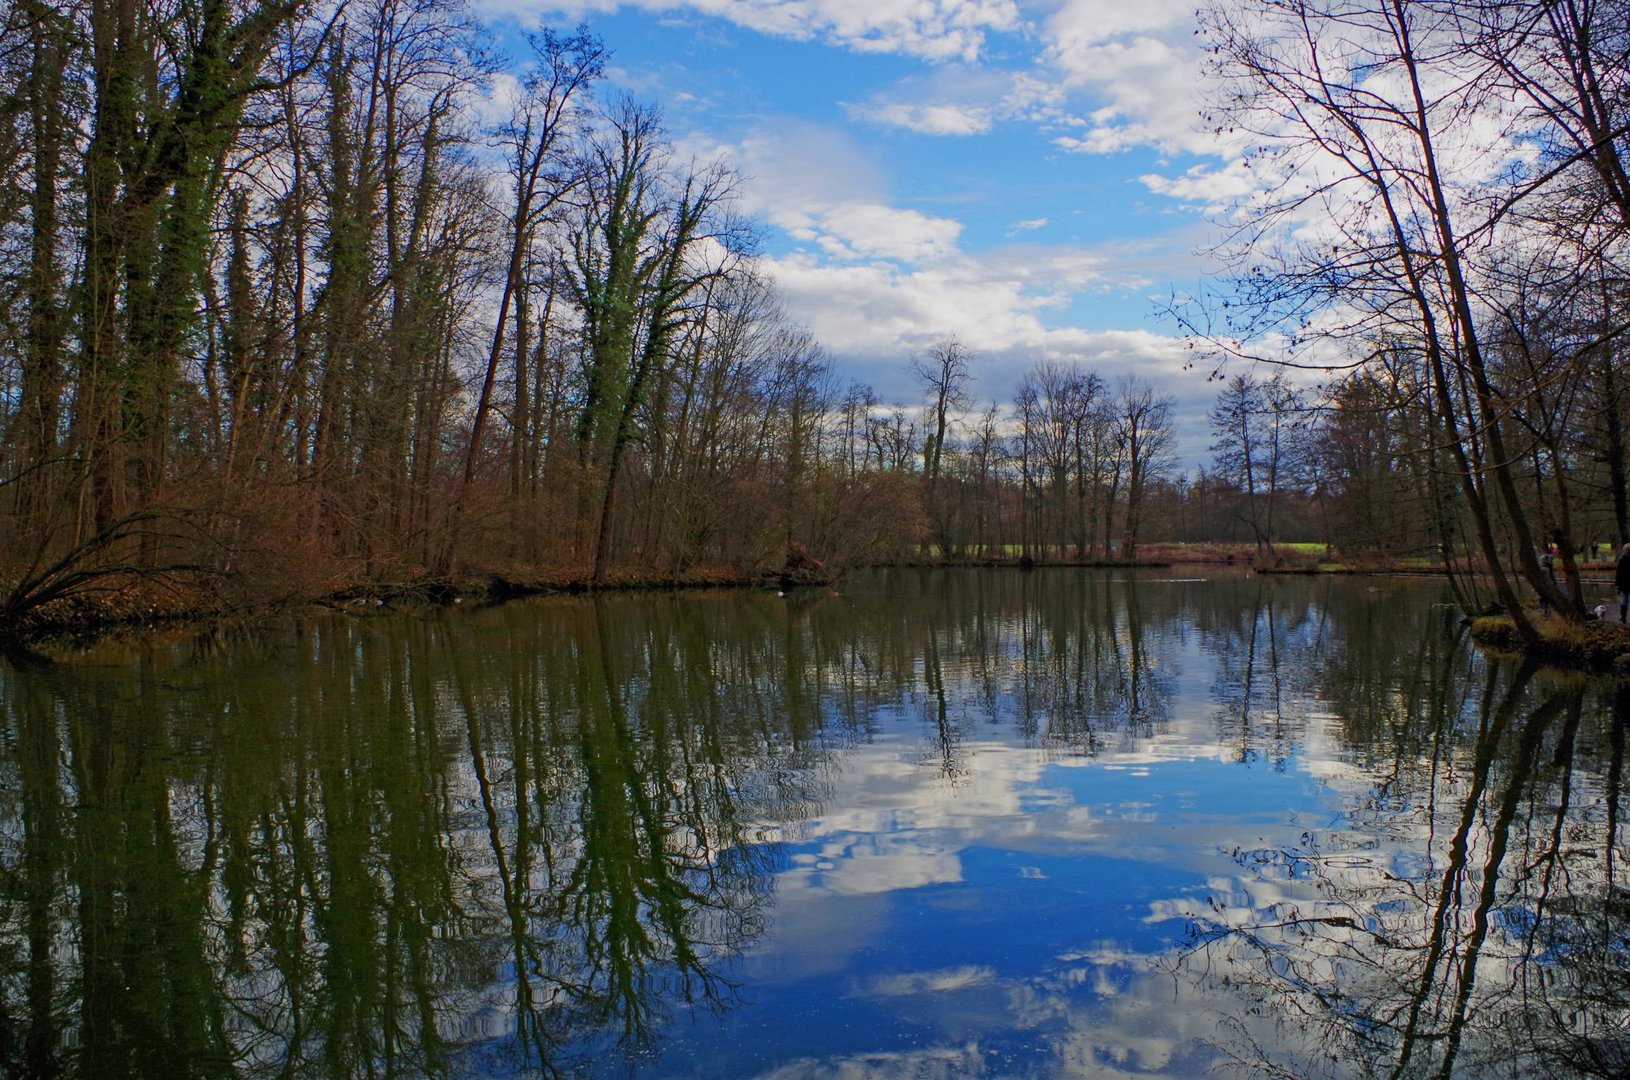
(1621, 578)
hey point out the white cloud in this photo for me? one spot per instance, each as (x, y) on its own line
(874, 318)
(1137, 64)
(814, 184)
(1035, 96)
(940, 119)
(936, 30)
(929, 1063)
(885, 311)
(1147, 77)
(854, 230)
(908, 984)
(820, 189)
(1079, 23)
(876, 283)
(794, 168)
(1212, 188)
(994, 303)
(495, 102)
(960, 100)
(1134, 69)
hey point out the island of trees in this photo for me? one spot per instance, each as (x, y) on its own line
(296, 300)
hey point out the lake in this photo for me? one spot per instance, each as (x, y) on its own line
(929, 824)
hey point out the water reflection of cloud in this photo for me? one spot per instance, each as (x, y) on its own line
(900, 828)
(930, 1063)
(815, 938)
(926, 982)
(1133, 1021)
(1101, 1008)
(1101, 1011)
(1208, 837)
(860, 864)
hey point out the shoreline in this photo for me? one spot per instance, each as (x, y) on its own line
(1596, 646)
(1600, 647)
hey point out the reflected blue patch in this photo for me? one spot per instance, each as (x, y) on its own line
(1173, 792)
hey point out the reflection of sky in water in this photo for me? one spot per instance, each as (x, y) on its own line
(1004, 875)
(1003, 924)
(978, 825)
(1020, 824)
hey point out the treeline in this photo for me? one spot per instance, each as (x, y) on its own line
(332, 295)
(295, 298)
(1355, 464)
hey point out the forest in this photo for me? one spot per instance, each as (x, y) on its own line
(298, 299)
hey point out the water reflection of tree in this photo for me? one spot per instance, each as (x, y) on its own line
(1252, 647)
(1077, 661)
(1368, 660)
(502, 841)
(662, 886)
(947, 752)
(1066, 656)
(1481, 935)
(377, 847)
(365, 846)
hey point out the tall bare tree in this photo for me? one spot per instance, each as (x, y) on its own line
(1143, 423)
(638, 263)
(1359, 111)
(537, 142)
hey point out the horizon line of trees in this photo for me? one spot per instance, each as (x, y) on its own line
(292, 297)
(279, 305)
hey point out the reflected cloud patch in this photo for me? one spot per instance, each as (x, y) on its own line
(927, 982)
(932, 1063)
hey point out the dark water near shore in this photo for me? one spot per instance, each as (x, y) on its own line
(993, 824)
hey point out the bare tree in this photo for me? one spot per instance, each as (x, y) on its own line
(1259, 427)
(639, 260)
(1358, 110)
(1143, 421)
(535, 139)
(943, 374)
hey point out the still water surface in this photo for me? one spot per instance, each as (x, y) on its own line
(968, 824)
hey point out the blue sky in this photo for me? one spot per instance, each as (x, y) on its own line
(1027, 177)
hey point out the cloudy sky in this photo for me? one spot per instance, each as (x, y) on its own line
(1029, 177)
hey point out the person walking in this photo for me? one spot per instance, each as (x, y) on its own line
(1547, 563)
(1621, 582)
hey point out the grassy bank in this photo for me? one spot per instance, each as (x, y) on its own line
(1597, 646)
